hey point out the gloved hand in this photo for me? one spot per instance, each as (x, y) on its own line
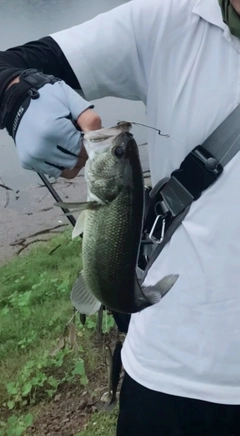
(44, 127)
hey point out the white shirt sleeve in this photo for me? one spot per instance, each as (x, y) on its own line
(112, 53)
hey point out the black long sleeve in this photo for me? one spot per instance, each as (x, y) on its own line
(43, 54)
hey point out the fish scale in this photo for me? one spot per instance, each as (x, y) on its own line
(111, 256)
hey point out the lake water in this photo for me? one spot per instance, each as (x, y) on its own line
(25, 20)
(31, 209)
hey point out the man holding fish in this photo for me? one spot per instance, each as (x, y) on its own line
(182, 59)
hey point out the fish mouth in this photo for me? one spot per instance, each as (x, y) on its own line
(124, 126)
(107, 133)
(97, 141)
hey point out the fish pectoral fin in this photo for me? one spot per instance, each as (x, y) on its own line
(155, 293)
(86, 205)
(82, 299)
(79, 226)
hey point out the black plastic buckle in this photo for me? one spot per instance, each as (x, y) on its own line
(33, 93)
(198, 171)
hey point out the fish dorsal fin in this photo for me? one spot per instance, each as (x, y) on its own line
(82, 299)
(80, 223)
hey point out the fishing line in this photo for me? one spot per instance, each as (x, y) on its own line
(136, 123)
(167, 135)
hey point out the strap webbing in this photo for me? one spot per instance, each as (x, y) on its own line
(223, 144)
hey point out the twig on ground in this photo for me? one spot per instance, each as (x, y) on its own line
(29, 243)
(42, 232)
(99, 324)
(18, 242)
(54, 249)
(7, 189)
(72, 317)
(43, 198)
(46, 209)
(44, 186)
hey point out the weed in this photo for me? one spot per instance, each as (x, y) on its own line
(101, 424)
(34, 309)
(16, 425)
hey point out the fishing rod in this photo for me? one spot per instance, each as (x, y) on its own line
(70, 218)
(58, 199)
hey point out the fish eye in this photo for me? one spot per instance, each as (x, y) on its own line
(119, 151)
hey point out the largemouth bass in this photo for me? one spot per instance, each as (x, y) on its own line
(111, 223)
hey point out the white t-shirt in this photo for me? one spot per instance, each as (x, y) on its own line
(180, 59)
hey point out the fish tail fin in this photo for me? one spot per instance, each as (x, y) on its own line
(153, 294)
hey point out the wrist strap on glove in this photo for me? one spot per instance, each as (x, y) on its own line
(17, 98)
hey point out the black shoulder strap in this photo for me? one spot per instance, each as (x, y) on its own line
(199, 170)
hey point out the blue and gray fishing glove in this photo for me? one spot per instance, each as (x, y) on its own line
(40, 114)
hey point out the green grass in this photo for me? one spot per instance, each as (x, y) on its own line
(34, 309)
(101, 424)
(34, 300)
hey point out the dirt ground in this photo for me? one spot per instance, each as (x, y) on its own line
(70, 409)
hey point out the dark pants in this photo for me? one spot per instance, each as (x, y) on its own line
(148, 413)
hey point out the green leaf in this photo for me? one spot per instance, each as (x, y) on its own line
(80, 348)
(28, 419)
(108, 323)
(5, 310)
(53, 382)
(18, 431)
(36, 286)
(12, 420)
(26, 389)
(50, 392)
(10, 405)
(11, 388)
(84, 380)
(79, 368)
(91, 324)
(26, 312)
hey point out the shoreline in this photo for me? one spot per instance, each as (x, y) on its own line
(32, 211)
(35, 218)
